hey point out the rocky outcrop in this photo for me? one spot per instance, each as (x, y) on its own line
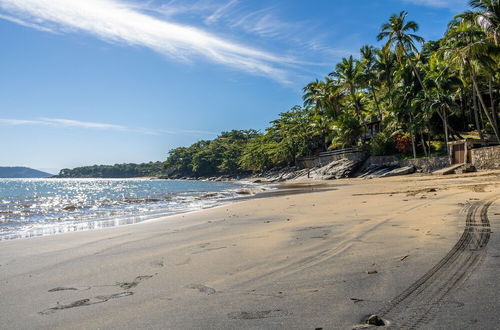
(400, 171)
(338, 169)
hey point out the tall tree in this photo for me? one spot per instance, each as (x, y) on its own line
(398, 34)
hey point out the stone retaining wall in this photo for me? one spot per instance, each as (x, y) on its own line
(486, 158)
(425, 164)
(428, 165)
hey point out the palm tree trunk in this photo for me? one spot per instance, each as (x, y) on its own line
(445, 124)
(376, 102)
(413, 144)
(476, 115)
(492, 100)
(412, 136)
(485, 109)
(424, 145)
(452, 131)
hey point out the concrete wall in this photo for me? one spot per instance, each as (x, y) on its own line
(486, 158)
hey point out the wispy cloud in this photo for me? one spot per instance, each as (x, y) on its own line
(451, 4)
(217, 14)
(120, 22)
(70, 123)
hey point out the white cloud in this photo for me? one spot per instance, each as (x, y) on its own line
(120, 22)
(70, 123)
(82, 124)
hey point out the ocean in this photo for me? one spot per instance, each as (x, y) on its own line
(39, 207)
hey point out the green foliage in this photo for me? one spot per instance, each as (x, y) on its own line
(382, 144)
(346, 130)
(206, 158)
(113, 171)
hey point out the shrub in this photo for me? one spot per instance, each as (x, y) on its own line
(381, 144)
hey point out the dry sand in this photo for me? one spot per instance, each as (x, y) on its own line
(398, 247)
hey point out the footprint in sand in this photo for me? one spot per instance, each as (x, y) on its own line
(96, 299)
(60, 288)
(85, 302)
(202, 288)
(134, 283)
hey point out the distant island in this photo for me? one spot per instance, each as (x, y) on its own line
(129, 170)
(22, 172)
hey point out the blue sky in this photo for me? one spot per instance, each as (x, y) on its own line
(111, 81)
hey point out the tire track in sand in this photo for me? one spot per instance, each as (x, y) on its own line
(418, 304)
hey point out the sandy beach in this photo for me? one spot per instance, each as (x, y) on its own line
(421, 251)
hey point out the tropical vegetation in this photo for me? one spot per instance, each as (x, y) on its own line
(423, 95)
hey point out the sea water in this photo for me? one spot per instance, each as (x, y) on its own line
(38, 207)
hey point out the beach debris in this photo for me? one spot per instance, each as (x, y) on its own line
(373, 271)
(257, 314)
(202, 288)
(404, 257)
(375, 320)
(357, 300)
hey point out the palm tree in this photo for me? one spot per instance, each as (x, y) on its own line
(397, 31)
(487, 17)
(324, 97)
(348, 75)
(369, 74)
(385, 66)
(466, 47)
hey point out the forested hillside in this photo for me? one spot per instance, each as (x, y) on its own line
(113, 171)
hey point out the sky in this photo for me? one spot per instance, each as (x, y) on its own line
(113, 81)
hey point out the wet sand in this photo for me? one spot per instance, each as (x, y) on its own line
(420, 251)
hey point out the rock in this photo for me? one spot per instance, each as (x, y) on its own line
(400, 171)
(375, 320)
(372, 272)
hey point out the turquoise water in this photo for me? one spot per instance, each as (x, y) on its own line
(37, 207)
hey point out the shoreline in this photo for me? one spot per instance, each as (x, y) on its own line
(296, 261)
(243, 193)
